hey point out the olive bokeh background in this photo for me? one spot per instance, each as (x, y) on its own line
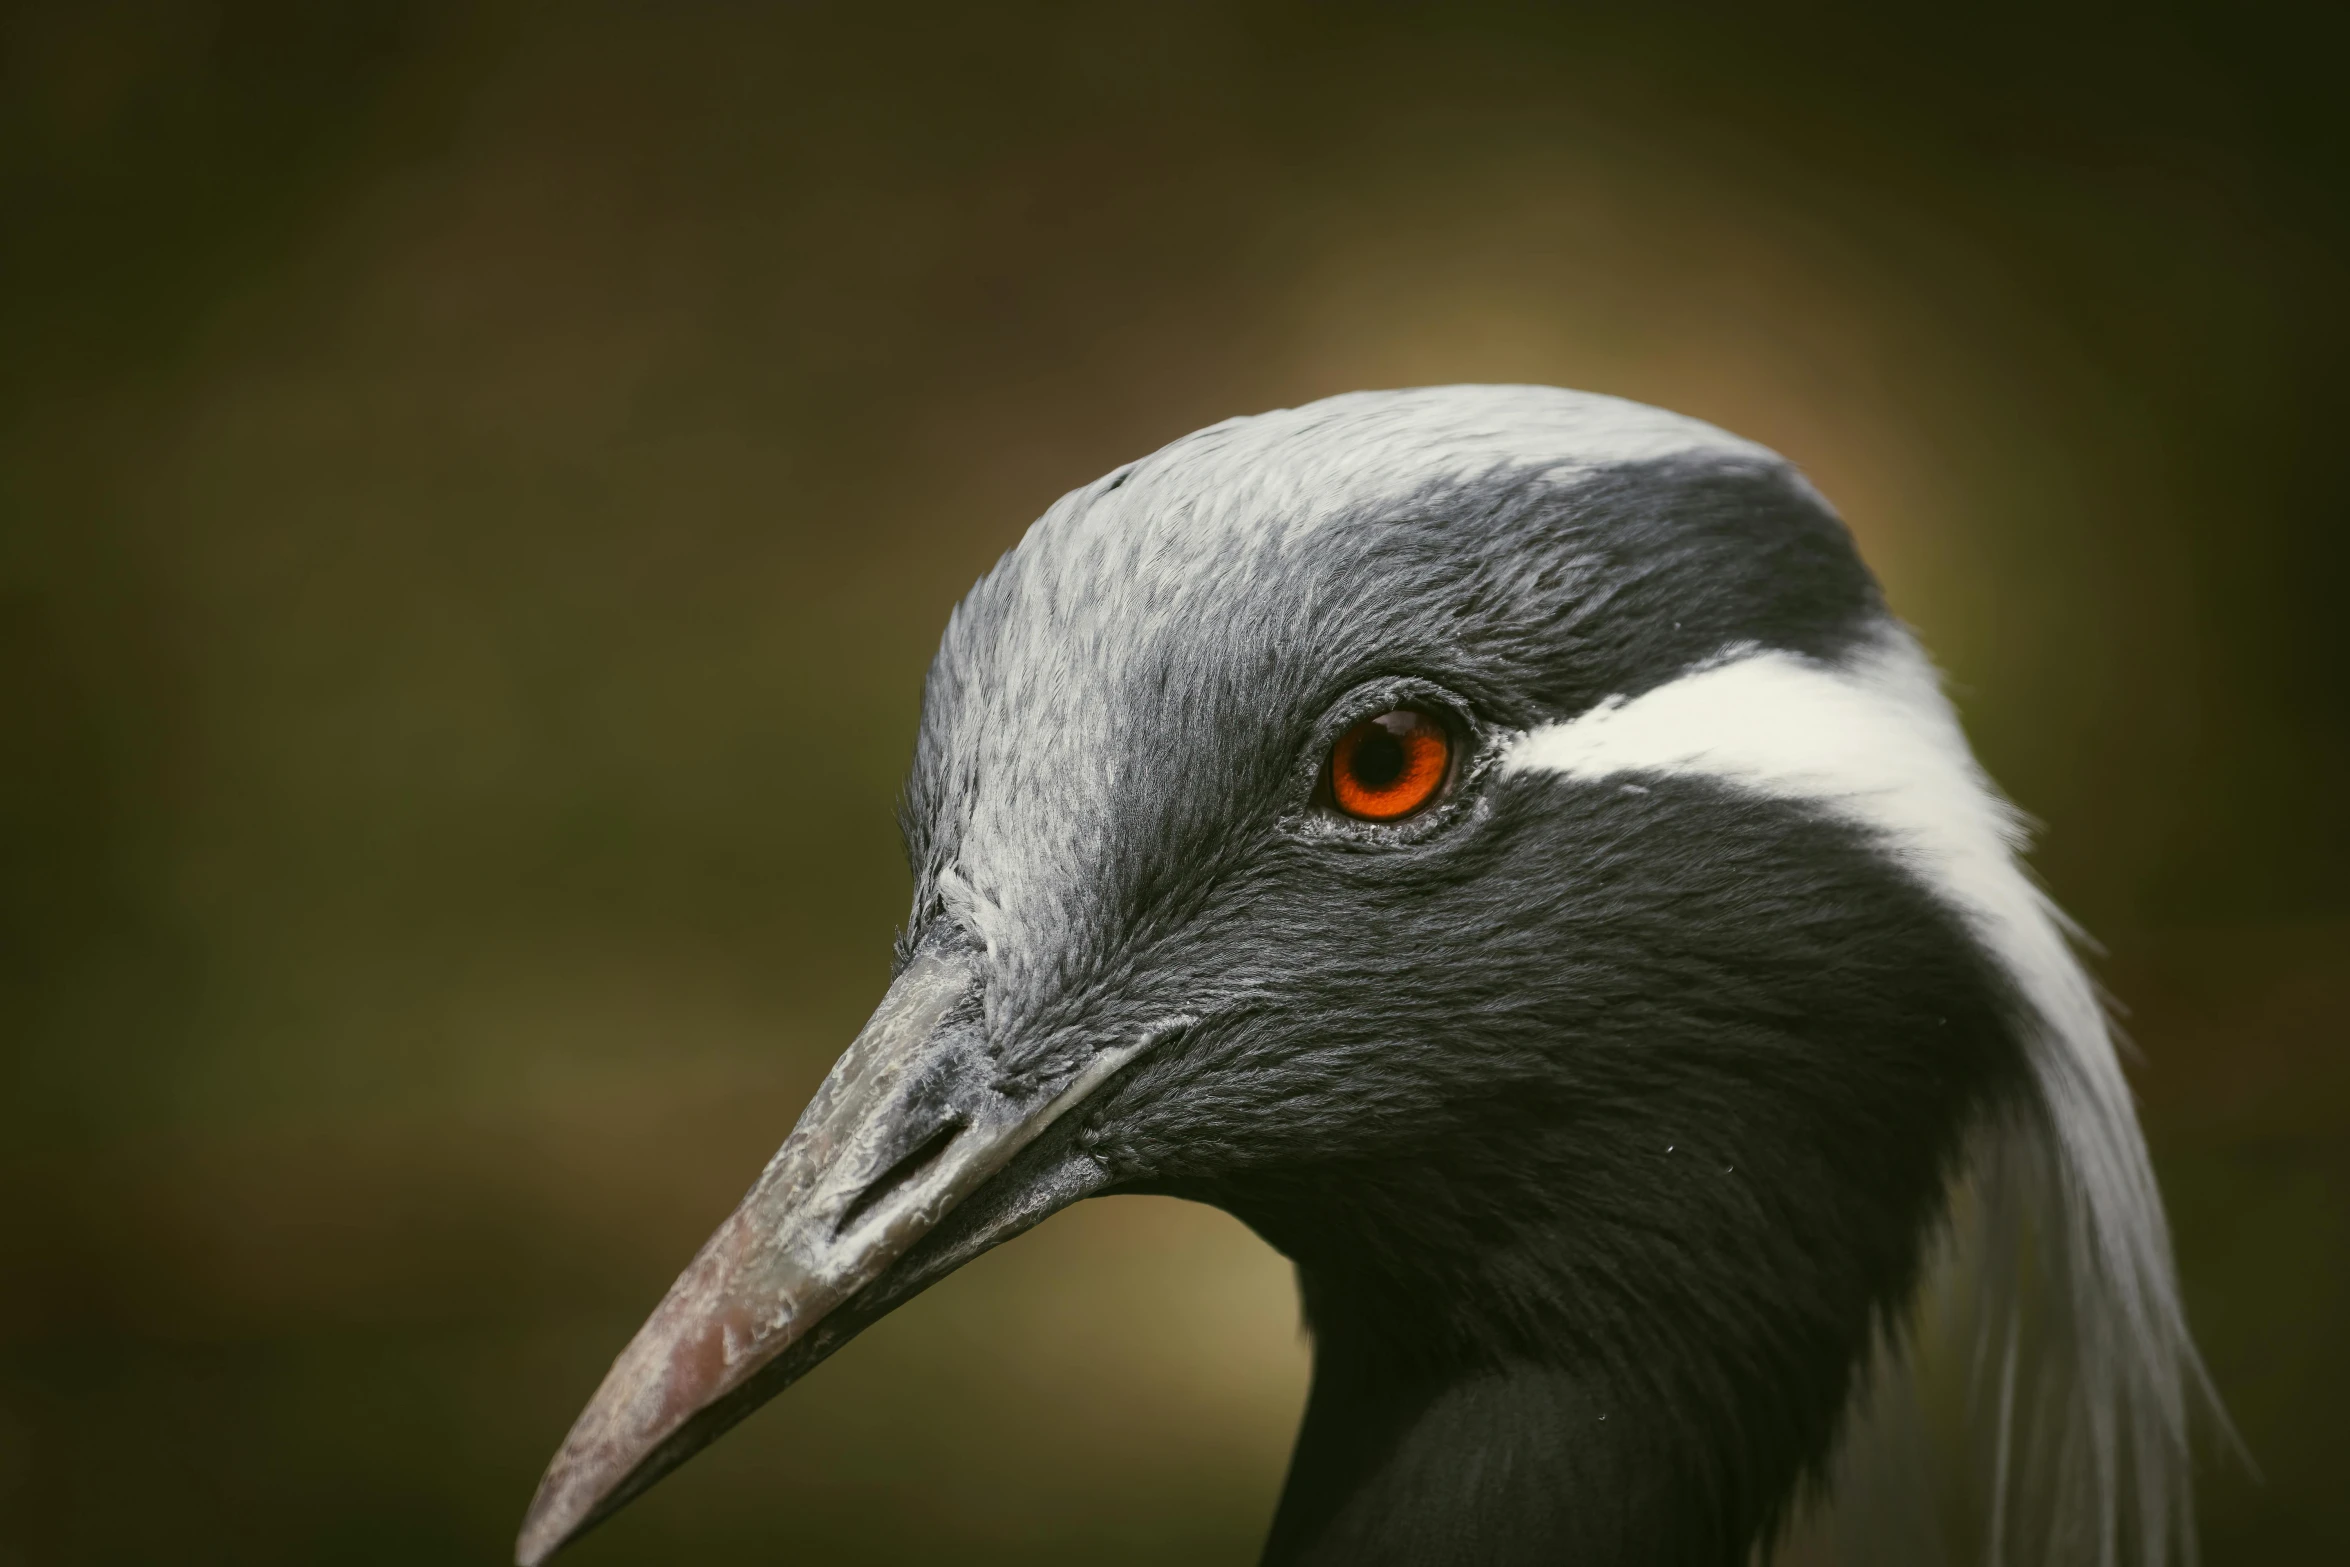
(479, 486)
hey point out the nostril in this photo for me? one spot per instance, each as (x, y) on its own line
(914, 1163)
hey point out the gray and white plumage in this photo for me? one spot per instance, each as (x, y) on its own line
(1653, 1118)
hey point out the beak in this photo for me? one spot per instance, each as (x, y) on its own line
(844, 1224)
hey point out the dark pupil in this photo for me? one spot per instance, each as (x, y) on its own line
(1377, 760)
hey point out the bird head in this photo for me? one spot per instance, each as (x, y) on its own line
(1496, 842)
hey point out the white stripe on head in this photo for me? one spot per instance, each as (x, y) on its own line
(1873, 741)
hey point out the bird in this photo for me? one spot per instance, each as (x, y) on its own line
(1497, 843)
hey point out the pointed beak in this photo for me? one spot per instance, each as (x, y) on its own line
(844, 1223)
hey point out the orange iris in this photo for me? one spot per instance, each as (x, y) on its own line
(1387, 767)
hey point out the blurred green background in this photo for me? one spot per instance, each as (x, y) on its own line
(479, 487)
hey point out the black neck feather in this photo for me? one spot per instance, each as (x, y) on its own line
(1495, 1462)
(1657, 1131)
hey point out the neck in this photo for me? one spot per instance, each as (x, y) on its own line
(1496, 1461)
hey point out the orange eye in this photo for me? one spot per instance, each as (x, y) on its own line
(1387, 767)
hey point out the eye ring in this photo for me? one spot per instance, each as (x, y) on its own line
(1390, 766)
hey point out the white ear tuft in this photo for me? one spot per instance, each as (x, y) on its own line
(2057, 1279)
